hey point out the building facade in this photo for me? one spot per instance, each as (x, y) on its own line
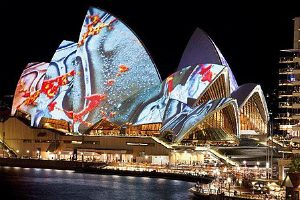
(103, 97)
(287, 120)
(288, 117)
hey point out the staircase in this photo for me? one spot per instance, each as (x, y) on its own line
(11, 152)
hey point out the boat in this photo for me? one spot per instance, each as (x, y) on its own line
(204, 196)
(204, 193)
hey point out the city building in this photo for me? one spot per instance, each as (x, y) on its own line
(287, 120)
(103, 98)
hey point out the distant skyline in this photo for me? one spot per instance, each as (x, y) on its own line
(249, 36)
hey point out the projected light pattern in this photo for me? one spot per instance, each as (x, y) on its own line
(108, 75)
(28, 88)
(180, 118)
(111, 64)
(132, 106)
(56, 91)
(185, 86)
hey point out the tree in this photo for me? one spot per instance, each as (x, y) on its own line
(167, 136)
(295, 165)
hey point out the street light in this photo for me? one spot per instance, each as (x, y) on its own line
(185, 157)
(82, 156)
(245, 167)
(175, 157)
(229, 181)
(240, 183)
(59, 154)
(267, 169)
(216, 172)
(7, 151)
(38, 154)
(28, 153)
(3, 136)
(117, 157)
(105, 157)
(17, 151)
(258, 163)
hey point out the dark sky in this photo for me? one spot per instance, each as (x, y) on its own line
(249, 35)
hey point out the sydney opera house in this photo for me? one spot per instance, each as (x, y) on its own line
(103, 97)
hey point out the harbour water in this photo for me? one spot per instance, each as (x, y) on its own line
(49, 184)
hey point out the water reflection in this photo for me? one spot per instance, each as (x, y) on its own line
(20, 183)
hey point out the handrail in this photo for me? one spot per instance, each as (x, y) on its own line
(8, 148)
(161, 142)
(225, 158)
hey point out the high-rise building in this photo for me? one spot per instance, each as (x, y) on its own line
(287, 121)
(297, 33)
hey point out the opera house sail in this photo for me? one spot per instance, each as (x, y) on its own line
(107, 85)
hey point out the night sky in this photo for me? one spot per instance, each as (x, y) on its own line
(249, 35)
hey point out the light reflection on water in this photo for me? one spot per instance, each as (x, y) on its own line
(36, 183)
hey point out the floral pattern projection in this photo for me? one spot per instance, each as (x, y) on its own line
(112, 65)
(184, 86)
(108, 75)
(45, 89)
(171, 103)
(56, 93)
(28, 88)
(180, 118)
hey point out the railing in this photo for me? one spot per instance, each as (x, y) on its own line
(286, 59)
(296, 105)
(223, 157)
(289, 92)
(291, 68)
(296, 116)
(282, 82)
(278, 142)
(285, 70)
(285, 92)
(283, 115)
(285, 104)
(162, 142)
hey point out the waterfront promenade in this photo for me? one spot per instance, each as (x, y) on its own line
(139, 170)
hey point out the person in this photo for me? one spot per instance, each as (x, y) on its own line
(222, 195)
